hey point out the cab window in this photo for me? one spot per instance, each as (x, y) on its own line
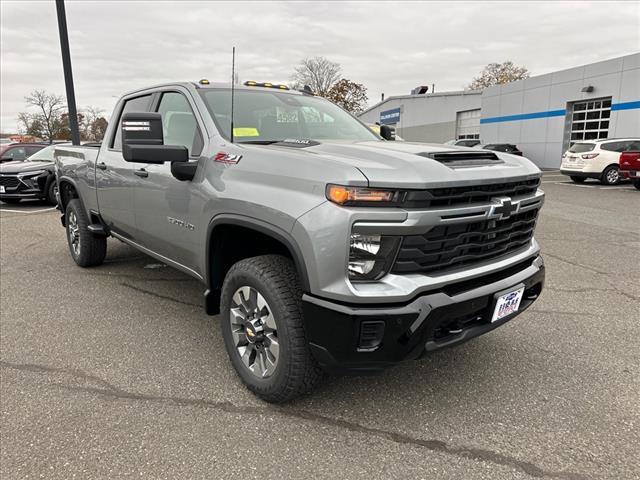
(138, 104)
(179, 123)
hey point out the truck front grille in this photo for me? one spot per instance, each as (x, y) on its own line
(449, 246)
(446, 197)
(9, 181)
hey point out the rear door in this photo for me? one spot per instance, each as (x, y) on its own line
(166, 207)
(115, 180)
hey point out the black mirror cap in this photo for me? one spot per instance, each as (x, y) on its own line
(387, 132)
(155, 153)
(142, 129)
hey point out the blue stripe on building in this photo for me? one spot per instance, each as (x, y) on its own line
(554, 113)
(524, 116)
(625, 105)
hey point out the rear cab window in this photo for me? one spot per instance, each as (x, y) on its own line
(137, 104)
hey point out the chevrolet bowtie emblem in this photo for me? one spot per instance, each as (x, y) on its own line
(503, 207)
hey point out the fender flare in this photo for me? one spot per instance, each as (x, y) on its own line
(75, 187)
(263, 227)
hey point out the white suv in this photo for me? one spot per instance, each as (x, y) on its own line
(597, 159)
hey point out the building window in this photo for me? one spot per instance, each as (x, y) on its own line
(590, 119)
(468, 124)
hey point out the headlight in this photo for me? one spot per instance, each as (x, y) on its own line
(363, 196)
(32, 174)
(371, 256)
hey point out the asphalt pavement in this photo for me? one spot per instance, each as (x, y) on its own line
(116, 371)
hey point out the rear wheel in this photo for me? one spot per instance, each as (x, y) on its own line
(575, 179)
(637, 184)
(86, 249)
(611, 175)
(261, 320)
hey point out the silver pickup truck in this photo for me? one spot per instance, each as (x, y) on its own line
(322, 246)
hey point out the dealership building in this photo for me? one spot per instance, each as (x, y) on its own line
(542, 115)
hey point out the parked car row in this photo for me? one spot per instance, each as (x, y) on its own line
(598, 159)
(33, 177)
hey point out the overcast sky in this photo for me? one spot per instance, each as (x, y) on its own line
(389, 47)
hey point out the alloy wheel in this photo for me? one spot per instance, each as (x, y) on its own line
(613, 176)
(74, 233)
(254, 332)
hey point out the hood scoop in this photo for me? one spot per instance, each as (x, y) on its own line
(463, 158)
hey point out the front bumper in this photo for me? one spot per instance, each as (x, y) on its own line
(16, 186)
(434, 320)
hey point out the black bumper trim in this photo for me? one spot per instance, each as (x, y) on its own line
(571, 173)
(426, 324)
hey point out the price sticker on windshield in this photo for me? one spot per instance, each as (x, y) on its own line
(286, 116)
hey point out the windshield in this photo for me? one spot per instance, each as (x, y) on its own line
(263, 117)
(43, 155)
(582, 147)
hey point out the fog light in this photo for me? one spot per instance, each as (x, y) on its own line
(371, 256)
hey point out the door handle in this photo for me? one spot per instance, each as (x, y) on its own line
(141, 173)
(101, 166)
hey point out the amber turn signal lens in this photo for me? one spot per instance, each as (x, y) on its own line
(343, 195)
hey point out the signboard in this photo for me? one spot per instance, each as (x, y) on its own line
(390, 117)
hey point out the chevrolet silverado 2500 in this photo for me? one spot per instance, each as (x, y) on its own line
(321, 245)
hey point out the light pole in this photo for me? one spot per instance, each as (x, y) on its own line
(68, 75)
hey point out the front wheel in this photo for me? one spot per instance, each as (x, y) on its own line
(86, 249)
(611, 175)
(261, 320)
(52, 192)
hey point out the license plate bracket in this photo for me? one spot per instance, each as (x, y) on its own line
(507, 302)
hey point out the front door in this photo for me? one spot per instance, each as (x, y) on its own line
(166, 208)
(115, 180)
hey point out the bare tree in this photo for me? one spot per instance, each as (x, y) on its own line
(49, 116)
(317, 72)
(92, 124)
(497, 74)
(349, 95)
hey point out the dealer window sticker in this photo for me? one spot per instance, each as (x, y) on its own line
(286, 116)
(245, 132)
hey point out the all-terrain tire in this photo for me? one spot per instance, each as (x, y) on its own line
(90, 250)
(275, 278)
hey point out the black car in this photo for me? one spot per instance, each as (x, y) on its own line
(501, 147)
(30, 178)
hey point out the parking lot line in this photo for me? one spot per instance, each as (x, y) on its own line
(27, 211)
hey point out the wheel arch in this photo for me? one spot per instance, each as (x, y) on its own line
(223, 228)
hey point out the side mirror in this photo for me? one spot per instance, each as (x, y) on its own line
(387, 132)
(143, 140)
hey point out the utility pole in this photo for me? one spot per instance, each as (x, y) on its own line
(68, 75)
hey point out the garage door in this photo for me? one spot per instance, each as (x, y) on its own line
(468, 124)
(590, 120)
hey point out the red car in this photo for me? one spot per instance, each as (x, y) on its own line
(630, 167)
(19, 151)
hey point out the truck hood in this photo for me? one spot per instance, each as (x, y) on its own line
(407, 164)
(20, 166)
